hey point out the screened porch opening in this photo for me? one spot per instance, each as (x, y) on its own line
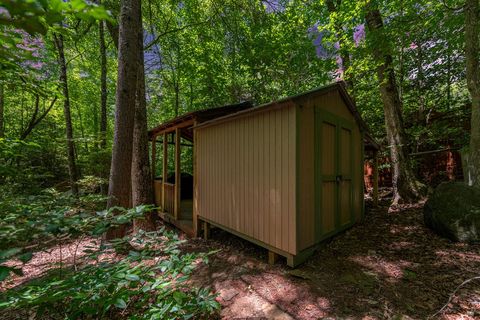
(172, 158)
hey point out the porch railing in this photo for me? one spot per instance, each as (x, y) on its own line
(169, 206)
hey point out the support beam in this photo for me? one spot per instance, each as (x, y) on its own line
(164, 168)
(375, 178)
(182, 144)
(272, 257)
(195, 191)
(206, 230)
(176, 212)
(171, 128)
(154, 157)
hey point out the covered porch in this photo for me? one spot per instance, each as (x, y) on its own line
(173, 165)
(174, 200)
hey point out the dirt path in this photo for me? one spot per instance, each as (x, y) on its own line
(389, 267)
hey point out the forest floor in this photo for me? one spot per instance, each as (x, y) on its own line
(388, 267)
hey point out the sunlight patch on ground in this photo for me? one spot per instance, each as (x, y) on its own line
(393, 271)
(400, 229)
(447, 255)
(66, 255)
(400, 245)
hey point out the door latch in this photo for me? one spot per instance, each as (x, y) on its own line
(338, 178)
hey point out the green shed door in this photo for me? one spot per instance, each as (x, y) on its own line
(333, 174)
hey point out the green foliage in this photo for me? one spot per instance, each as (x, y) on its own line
(11, 151)
(38, 220)
(426, 43)
(143, 290)
(91, 184)
(149, 282)
(27, 166)
(214, 54)
(202, 54)
(36, 16)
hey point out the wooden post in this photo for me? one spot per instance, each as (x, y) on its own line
(195, 205)
(272, 257)
(154, 157)
(164, 169)
(176, 211)
(206, 230)
(375, 178)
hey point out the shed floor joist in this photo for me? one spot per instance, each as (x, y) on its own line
(292, 260)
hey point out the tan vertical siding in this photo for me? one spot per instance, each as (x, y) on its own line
(328, 207)
(292, 179)
(333, 103)
(345, 149)
(358, 176)
(246, 176)
(328, 168)
(328, 148)
(346, 170)
(267, 209)
(306, 200)
(255, 172)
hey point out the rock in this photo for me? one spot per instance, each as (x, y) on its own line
(453, 211)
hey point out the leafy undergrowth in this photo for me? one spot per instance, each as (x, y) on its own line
(388, 267)
(54, 265)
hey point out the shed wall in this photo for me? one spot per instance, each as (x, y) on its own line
(333, 103)
(246, 175)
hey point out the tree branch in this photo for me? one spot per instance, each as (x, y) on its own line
(34, 121)
(452, 295)
(155, 41)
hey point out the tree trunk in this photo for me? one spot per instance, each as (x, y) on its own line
(2, 111)
(72, 166)
(113, 29)
(82, 131)
(119, 191)
(142, 187)
(472, 24)
(406, 187)
(177, 98)
(422, 108)
(334, 8)
(103, 87)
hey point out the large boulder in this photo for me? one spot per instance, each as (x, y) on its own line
(453, 211)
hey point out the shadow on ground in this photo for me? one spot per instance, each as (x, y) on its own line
(389, 266)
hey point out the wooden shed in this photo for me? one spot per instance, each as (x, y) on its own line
(285, 175)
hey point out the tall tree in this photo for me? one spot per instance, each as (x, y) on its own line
(472, 57)
(72, 165)
(103, 86)
(142, 188)
(119, 192)
(334, 8)
(405, 185)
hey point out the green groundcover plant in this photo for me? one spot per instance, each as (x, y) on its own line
(145, 276)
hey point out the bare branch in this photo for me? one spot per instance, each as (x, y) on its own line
(452, 295)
